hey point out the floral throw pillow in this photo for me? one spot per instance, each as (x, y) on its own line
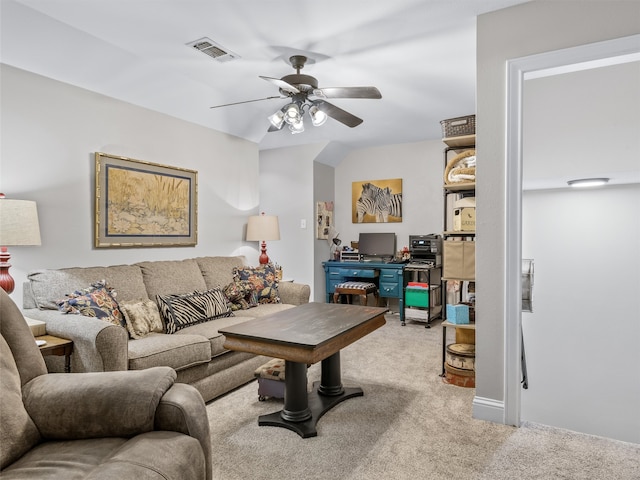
(263, 279)
(96, 301)
(241, 295)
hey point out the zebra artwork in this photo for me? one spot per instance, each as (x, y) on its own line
(378, 202)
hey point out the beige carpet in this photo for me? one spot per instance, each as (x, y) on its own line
(408, 425)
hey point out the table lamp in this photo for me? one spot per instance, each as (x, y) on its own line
(262, 228)
(18, 226)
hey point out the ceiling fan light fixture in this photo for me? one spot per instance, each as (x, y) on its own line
(297, 127)
(277, 119)
(318, 117)
(292, 114)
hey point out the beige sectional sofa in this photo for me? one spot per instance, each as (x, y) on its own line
(195, 352)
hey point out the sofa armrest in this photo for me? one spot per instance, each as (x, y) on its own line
(182, 409)
(294, 293)
(98, 346)
(69, 406)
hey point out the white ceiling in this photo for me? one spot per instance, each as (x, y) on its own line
(419, 53)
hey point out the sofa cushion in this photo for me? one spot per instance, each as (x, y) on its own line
(18, 432)
(176, 351)
(210, 331)
(97, 301)
(168, 277)
(263, 279)
(145, 456)
(218, 271)
(48, 286)
(180, 311)
(262, 310)
(141, 317)
(59, 458)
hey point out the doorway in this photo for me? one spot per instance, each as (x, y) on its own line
(549, 323)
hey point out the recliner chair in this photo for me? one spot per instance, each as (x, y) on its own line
(108, 425)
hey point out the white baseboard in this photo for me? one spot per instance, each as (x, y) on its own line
(488, 409)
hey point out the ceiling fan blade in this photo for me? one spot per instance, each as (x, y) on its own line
(338, 114)
(246, 101)
(347, 92)
(281, 84)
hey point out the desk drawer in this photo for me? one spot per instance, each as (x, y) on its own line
(358, 273)
(390, 275)
(389, 289)
(334, 274)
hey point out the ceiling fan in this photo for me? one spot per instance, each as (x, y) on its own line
(306, 97)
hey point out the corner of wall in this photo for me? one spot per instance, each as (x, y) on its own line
(488, 409)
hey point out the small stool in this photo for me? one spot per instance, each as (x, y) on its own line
(362, 289)
(270, 379)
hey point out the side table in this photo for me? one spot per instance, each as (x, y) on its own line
(57, 346)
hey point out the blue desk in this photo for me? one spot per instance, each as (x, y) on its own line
(388, 276)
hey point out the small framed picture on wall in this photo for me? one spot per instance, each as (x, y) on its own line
(324, 219)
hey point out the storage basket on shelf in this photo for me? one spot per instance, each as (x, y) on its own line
(459, 126)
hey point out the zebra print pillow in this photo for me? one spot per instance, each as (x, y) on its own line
(181, 311)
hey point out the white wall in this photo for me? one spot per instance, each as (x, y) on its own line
(323, 191)
(286, 190)
(581, 339)
(511, 33)
(50, 131)
(419, 165)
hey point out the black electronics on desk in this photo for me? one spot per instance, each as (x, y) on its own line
(426, 249)
(377, 246)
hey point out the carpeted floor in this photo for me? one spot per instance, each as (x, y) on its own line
(408, 425)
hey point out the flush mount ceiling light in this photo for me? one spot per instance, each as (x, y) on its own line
(588, 182)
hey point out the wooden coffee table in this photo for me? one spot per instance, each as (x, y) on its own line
(303, 335)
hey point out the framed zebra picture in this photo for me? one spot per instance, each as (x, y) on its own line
(376, 201)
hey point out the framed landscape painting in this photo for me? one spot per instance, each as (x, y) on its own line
(144, 204)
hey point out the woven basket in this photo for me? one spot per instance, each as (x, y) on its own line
(459, 126)
(455, 162)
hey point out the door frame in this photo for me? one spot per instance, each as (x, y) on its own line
(610, 52)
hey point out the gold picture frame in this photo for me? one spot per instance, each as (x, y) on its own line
(144, 204)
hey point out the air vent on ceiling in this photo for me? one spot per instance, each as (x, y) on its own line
(213, 49)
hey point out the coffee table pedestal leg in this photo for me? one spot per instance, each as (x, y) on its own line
(302, 411)
(296, 404)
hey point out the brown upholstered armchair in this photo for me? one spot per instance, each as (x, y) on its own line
(108, 425)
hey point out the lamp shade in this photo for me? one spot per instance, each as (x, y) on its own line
(18, 223)
(263, 227)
